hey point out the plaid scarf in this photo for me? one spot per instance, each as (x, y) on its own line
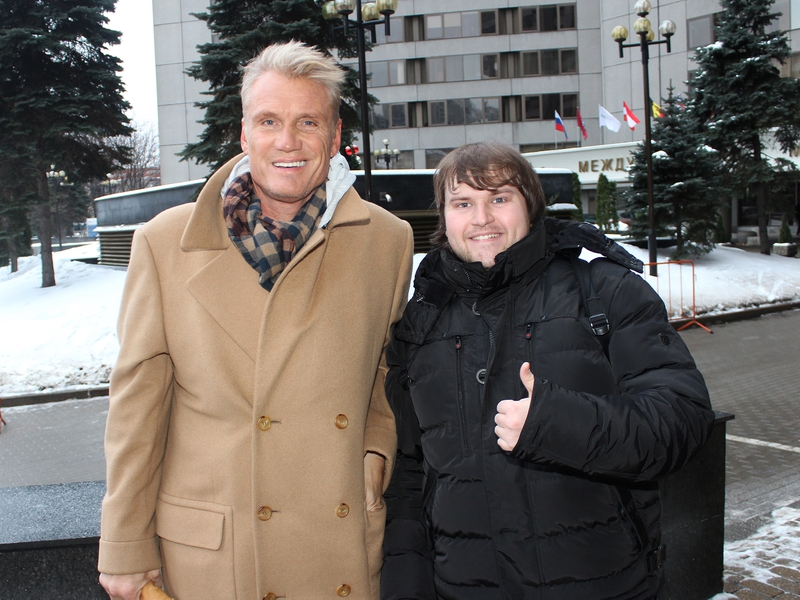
(266, 244)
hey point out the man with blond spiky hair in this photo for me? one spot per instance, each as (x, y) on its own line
(249, 438)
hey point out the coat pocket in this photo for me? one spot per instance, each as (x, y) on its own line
(196, 548)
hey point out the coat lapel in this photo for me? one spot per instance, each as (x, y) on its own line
(227, 287)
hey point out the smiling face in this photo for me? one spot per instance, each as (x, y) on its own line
(480, 224)
(290, 131)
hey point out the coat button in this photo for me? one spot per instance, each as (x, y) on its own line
(340, 421)
(342, 511)
(270, 596)
(481, 376)
(264, 513)
(264, 423)
(343, 590)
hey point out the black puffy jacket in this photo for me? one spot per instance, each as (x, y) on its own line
(573, 512)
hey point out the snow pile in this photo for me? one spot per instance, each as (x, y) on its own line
(57, 337)
(65, 336)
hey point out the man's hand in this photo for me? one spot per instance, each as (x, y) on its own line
(374, 466)
(128, 587)
(511, 414)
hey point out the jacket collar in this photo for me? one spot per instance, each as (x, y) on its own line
(206, 229)
(510, 265)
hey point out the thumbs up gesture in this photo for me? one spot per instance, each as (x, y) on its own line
(511, 414)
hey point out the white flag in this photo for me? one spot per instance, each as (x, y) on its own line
(608, 120)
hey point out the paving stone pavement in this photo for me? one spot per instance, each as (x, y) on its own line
(751, 368)
(752, 371)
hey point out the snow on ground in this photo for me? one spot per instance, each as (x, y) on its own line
(65, 336)
(781, 537)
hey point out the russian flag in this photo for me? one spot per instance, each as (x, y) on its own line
(560, 125)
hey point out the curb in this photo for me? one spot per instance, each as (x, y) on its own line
(55, 396)
(94, 392)
(738, 315)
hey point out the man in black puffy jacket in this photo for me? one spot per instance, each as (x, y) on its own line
(538, 400)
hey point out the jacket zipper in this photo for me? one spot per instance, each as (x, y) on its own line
(462, 408)
(528, 338)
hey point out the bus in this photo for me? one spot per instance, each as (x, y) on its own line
(408, 193)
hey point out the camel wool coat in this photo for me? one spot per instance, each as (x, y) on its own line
(239, 418)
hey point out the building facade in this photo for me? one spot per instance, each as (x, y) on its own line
(454, 73)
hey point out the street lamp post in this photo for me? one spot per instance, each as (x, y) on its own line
(386, 155)
(646, 39)
(366, 18)
(58, 178)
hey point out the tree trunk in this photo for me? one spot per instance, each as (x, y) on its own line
(13, 255)
(48, 272)
(761, 202)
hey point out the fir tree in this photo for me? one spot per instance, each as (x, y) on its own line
(60, 98)
(686, 188)
(576, 197)
(785, 235)
(606, 205)
(739, 97)
(244, 28)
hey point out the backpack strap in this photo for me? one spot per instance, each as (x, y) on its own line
(594, 307)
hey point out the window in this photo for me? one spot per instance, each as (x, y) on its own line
(532, 108)
(530, 18)
(398, 115)
(548, 18)
(397, 72)
(470, 24)
(472, 67)
(380, 118)
(701, 32)
(491, 66)
(569, 61)
(473, 110)
(435, 70)
(569, 105)
(530, 63)
(455, 112)
(544, 106)
(795, 69)
(491, 110)
(468, 111)
(380, 74)
(397, 35)
(452, 25)
(437, 113)
(434, 155)
(488, 22)
(550, 104)
(433, 27)
(386, 116)
(550, 62)
(387, 73)
(458, 24)
(566, 16)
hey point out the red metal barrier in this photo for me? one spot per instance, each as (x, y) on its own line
(676, 286)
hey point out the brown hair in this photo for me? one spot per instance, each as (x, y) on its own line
(486, 166)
